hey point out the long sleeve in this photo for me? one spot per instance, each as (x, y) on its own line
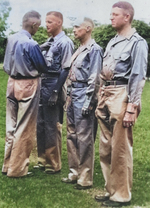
(66, 53)
(138, 71)
(38, 60)
(95, 68)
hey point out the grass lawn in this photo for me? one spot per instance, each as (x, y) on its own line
(47, 191)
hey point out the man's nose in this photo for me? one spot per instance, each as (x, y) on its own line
(111, 16)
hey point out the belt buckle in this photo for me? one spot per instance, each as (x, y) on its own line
(107, 82)
(111, 82)
(114, 82)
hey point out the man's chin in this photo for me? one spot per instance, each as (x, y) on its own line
(75, 36)
(49, 34)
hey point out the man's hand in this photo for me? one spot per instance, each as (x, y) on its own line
(86, 111)
(45, 46)
(129, 119)
(53, 98)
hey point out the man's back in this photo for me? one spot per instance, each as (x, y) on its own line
(18, 55)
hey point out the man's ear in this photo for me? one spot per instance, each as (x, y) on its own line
(127, 17)
(34, 23)
(88, 28)
(59, 22)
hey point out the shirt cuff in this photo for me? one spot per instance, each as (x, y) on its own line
(131, 108)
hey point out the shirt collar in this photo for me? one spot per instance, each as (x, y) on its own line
(129, 34)
(26, 33)
(57, 37)
(88, 44)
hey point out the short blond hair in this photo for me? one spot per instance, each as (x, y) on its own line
(88, 20)
(125, 6)
(56, 14)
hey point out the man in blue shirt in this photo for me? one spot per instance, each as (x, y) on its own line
(23, 63)
(58, 51)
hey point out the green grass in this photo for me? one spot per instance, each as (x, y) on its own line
(47, 191)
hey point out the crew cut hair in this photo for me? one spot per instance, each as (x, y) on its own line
(56, 14)
(87, 19)
(125, 6)
(31, 14)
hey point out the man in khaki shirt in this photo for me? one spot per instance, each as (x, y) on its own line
(81, 125)
(122, 81)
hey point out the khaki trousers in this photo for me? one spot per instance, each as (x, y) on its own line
(115, 143)
(21, 116)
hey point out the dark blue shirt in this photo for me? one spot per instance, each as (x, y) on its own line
(23, 56)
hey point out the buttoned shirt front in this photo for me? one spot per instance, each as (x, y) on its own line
(59, 53)
(86, 66)
(125, 58)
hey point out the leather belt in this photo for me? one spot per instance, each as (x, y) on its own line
(52, 75)
(79, 84)
(23, 77)
(115, 82)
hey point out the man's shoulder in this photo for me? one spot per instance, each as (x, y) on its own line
(97, 46)
(138, 37)
(28, 42)
(134, 37)
(65, 40)
(22, 39)
(14, 36)
(140, 40)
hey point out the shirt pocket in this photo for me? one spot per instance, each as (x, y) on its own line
(121, 57)
(82, 72)
(54, 57)
(123, 62)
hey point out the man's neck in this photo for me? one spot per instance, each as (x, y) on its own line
(56, 33)
(85, 40)
(124, 31)
(29, 30)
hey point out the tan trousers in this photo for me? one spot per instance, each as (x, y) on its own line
(115, 143)
(21, 115)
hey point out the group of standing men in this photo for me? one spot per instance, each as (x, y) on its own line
(108, 86)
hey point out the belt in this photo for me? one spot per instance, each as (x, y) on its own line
(79, 84)
(46, 76)
(115, 82)
(23, 77)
